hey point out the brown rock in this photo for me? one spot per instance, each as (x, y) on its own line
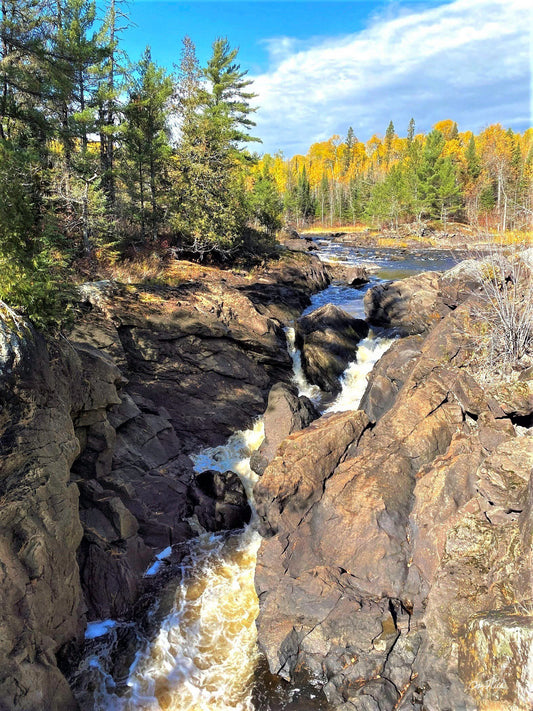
(388, 376)
(286, 413)
(328, 339)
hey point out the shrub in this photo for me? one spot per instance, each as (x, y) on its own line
(507, 296)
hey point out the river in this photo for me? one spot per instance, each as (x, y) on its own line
(197, 648)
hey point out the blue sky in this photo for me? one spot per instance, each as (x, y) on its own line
(320, 67)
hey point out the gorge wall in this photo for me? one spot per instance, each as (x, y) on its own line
(94, 436)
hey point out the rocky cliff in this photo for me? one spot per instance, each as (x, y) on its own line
(397, 564)
(94, 436)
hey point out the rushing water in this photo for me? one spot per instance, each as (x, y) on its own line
(204, 655)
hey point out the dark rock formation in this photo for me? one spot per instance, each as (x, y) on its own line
(286, 413)
(220, 501)
(390, 547)
(327, 339)
(352, 276)
(94, 477)
(179, 346)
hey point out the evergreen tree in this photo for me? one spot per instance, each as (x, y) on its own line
(349, 144)
(389, 137)
(210, 212)
(110, 81)
(305, 204)
(388, 199)
(146, 141)
(472, 160)
(447, 190)
(411, 131)
(265, 202)
(437, 179)
(227, 102)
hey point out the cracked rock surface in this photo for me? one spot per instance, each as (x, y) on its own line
(398, 539)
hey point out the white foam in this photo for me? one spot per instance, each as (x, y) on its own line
(355, 378)
(99, 628)
(313, 392)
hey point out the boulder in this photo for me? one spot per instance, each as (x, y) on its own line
(220, 501)
(327, 339)
(286, 413)
(355, 276)
(410, 306)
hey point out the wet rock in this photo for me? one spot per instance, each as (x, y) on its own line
(286, 413)
(351, 275)
(328, 339)
(220, 501)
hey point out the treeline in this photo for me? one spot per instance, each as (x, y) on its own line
(100, 154)
(485, 180)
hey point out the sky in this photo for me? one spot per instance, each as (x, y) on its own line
(320, 67)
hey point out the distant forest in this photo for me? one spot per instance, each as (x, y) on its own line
(103, 159)
(485, 180)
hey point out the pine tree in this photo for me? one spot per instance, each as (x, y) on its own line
(349, 144)
(227, 101)
(110, 80)
(210, 211)
(265, 202)
(472, 160)
(146, 141)
(411, 131)
(389, 137)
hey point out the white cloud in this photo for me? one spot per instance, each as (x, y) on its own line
(467, 60)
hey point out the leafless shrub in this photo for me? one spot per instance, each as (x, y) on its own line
(507, 303)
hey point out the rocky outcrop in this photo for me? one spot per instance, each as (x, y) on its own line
(414, 305)
(327, 339)
(178, 346)
(92, 485)
(398, 554)
(41, 605)
(286, 413)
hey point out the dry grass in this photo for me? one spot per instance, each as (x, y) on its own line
(321, 229)
(156, 271)
(392, 242)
